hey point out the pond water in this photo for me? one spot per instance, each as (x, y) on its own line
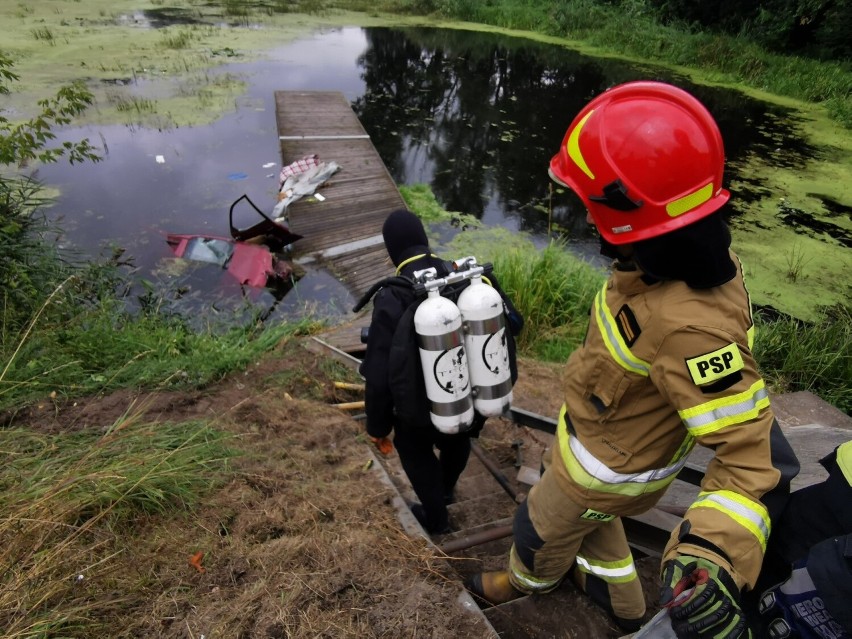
(476, 116)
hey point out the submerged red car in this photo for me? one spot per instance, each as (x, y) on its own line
(252, 264)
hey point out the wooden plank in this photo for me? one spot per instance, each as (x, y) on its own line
(358, 197)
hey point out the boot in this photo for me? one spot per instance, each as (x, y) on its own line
(443, 528)
(493, 587)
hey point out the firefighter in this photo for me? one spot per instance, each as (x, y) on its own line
(666, 364)
(433, 477)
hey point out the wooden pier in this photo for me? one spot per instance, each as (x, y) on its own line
(343, 232)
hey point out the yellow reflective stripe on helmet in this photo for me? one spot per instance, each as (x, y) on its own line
(613, 340)
(614, 572)
(844, 460)
(749, 514)
(725, 411)
(573, 147)
(589, 472)
(689, 202)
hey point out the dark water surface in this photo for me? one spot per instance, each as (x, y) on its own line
(476, 116)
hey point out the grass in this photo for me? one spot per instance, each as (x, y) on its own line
(177, 39)
(553, 291)
(103, 348)
(45, 34)
(131, 104)
(421, 199)
(66, 502)
(797, 260)
(816, 357)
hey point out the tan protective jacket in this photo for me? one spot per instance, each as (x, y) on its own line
(665, 366)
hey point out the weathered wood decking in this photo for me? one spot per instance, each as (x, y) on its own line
(344, 231)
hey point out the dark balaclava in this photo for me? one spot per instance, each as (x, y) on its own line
(404, 236)
(696, 254)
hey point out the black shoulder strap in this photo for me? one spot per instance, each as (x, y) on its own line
(396, 280)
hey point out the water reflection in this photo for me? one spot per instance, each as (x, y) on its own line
(475, 115)
(478, 117)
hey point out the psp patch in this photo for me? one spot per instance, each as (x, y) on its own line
(710, 367)
(595, 515)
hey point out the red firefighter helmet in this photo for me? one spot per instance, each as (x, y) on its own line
(646, 158)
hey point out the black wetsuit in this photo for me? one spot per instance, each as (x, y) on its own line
(433, 477)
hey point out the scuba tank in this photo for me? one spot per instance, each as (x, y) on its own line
(440, 340)
(486, 342)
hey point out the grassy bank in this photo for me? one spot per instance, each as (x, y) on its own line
(77, 344)
(69, 504)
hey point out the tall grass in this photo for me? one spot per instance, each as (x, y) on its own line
(553, 290)
(30, 267)
(177, 38)
(67, 502)
(817, 357)
(45, 34)
(104, 347)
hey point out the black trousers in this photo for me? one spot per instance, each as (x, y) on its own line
(433, 476)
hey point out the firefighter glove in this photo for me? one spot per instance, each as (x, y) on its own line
(383, 444)
(703, 600)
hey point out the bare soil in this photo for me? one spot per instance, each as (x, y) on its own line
(303, 540)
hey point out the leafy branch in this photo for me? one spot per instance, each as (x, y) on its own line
(30, 140)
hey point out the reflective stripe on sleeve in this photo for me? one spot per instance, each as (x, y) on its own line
(726, 411)
(614, 572)
(613, 340)
(588, 471)
(749, 514)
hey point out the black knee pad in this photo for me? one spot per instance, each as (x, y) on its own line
(527, 541)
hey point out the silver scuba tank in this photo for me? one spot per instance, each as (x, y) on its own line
(487, 346)
(440, 340)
